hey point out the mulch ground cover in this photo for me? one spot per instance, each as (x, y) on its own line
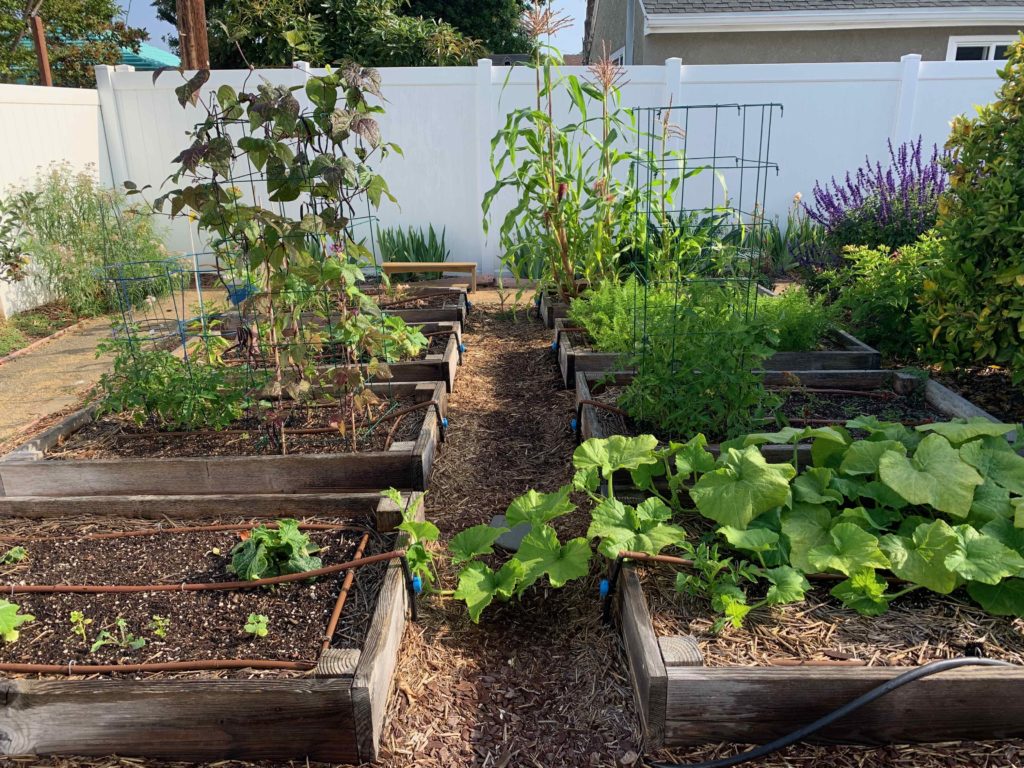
(541, 682)
(991, 389)
(118, 435)
(198, 625)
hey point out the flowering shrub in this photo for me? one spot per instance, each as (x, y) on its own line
(880, 206)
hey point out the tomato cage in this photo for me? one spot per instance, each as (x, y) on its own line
(697, 254)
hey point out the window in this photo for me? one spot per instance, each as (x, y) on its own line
(619, 56)
(978, 48)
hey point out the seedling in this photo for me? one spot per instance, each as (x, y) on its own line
(79, 624)
(13, 556)
(256, 625)
(10, 620)
(160, 626)
(122, 639)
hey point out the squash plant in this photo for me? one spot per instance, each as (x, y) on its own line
(276, 186)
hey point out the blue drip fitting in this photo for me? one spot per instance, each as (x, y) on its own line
(554, 346)
(605, 588)
(572, 425)
(417, 585)
(462, 347)
(444, 422)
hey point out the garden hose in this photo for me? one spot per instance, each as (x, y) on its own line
(917, 673)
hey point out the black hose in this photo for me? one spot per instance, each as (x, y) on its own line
(800, 734)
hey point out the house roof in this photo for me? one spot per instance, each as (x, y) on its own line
(149, 58)
(770, 6)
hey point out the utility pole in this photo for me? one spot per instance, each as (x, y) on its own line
(192, 41)
(42, 57)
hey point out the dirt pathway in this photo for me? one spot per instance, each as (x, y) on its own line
(51, 378)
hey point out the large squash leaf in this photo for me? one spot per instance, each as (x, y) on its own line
(921, 559)
(743, 487)
(935, 475)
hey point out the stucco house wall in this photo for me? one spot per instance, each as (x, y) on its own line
(805, 47)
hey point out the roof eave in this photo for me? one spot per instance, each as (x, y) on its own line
(867, 18)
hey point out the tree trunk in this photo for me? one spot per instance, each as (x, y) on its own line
(192, 41)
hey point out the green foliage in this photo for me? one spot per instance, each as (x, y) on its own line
(268, 552)
(419, 533)
(572, 206)
(698, 370)
(160, 625)
(540, 553)
(973, 302)
(497, 24)
(122, 637)
(257, 625)
(157, 387)
(412, 245)
(70, 227)
(79, 35)
(10, 619)
(80, 625)
(275, 33)
(13, 556)
(782, 247)
(878, 293)
(798, 321)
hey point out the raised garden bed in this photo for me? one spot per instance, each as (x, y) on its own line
(427, 304)
(684, 701)
(161, 473)
(550, 308)
(329, 705)
(846, 353)
(890, 395)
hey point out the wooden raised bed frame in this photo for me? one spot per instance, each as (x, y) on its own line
(335, 715)
(683, 703)
(416, 315)
(937, 395)
(31, 486)
(852, 354)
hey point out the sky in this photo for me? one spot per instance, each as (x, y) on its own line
(141, 13)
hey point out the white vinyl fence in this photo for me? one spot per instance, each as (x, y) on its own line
(38, 127)
(444, 118)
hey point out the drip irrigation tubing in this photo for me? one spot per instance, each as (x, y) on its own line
(99, 589)
(910, 676)
(199, 665)
(346, 585)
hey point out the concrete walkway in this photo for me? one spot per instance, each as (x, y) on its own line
(51, 378)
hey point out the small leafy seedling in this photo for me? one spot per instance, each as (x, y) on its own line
(13, 556)
(268, 552)
(256, 625)
(79, 626)
(160, 626)
(11, 619)
(122, 639)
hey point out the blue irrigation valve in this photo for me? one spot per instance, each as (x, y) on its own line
(572, 425)
(554, 345)
(444, 422)
(469, 305)
(462, 347)
(417, 585)
(605, 588)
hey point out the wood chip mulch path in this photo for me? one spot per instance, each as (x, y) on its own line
(539, 683)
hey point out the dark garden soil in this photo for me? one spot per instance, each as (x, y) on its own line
(539, 683)
(200, 625)
(117, 435)
(991, 389)
(798, 408)
(918, 628)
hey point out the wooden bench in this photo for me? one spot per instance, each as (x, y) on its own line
(390, 267)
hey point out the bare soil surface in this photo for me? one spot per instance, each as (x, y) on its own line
(991, 389)
(193, 625)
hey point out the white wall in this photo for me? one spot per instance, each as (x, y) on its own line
(444, 118)
(40, 126)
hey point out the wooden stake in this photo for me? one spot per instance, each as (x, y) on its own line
(192, 40)
(42, 57)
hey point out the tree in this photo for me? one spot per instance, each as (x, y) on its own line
(79, 35)
(496, 23)
(269, 33)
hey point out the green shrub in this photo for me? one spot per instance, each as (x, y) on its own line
(798, 320)
(877, 293)
(973, 302)
(70, 228)
(412, 245)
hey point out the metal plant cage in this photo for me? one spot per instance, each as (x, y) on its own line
(698, 224)
(213, 306)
